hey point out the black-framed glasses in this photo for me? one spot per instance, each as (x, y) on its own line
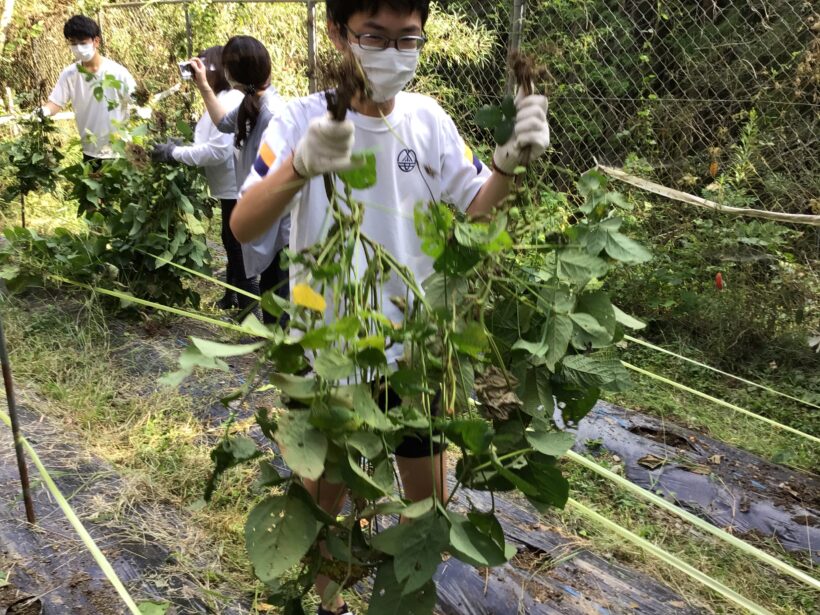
(376, 42)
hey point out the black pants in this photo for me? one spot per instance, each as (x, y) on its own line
(235, 274)
(275, 277)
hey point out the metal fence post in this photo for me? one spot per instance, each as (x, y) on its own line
(311, 43)
(189, 31)
(516, 27)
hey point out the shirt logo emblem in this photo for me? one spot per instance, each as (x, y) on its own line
(407, 160)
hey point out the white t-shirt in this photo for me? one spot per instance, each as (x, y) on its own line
(94, 118)
(213, 150)
(420, 158)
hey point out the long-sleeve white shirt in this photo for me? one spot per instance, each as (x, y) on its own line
(214, 150)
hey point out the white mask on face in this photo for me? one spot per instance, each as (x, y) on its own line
(84, 52)
(388, 71)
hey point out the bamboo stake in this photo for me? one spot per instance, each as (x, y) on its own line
(684, 197)
(15, 429)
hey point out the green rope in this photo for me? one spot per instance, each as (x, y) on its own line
(719, 371)
(695, 520)
(720, 402)
(159, 306)
(75, 522)
(670, 559)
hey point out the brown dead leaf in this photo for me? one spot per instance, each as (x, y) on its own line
(651, 461)
(716, 459)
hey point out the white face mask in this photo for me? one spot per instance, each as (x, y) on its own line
(84, 52)
(388, 70)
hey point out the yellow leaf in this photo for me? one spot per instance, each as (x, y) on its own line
(305, 296)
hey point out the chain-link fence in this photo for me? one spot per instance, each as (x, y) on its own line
(715, 97)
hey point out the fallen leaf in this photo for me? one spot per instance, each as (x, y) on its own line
(699, 469)
(651, 461)
(716, 459)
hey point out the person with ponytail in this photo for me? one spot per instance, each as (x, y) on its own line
(247, 66)
(212, 150)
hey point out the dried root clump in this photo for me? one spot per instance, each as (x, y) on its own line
(344, 79)
(526, 72)
(494, 392)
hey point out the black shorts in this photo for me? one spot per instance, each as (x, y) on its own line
(414, 445)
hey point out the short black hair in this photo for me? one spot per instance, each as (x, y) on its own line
(212, 57)
(340, 11)
(80, 27)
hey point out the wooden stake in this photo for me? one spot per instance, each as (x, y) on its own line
(15, 429)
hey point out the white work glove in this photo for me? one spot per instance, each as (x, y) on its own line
(531, 135)
(44, 111)
(325, 148)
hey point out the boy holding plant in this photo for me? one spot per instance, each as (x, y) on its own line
(419, 157)
(98, 89)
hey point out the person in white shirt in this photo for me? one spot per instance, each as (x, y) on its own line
(98, 89)
(248, 69)
(213, 150)
(420, 157)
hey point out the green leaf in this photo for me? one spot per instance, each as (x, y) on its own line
(597, 305)
(153, 608)
(416, 549)
(148, 607)
(504, 131)
(362, 484)
(367, 443)
(230, 452)
(559, 333)
(444, 292)
(418, 509)
(579, 267)
(332, 418)
(587, 371)
(269, 476)
(333, 365)
(470, 544)
(471, 339)
(588, 323)
(626, 320)
(543, 439)
(551, 488)
(592, 183)
(508, 106)
(367, 408)
(388, 597)
(537, 393)
(279, 532)
(303, 447)
(535, 349)
(408, 382)
(489, 116)
(364, 175)
(472, 434)
(294, 387)
(574, 402)
(215, 349)
(622, 248)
